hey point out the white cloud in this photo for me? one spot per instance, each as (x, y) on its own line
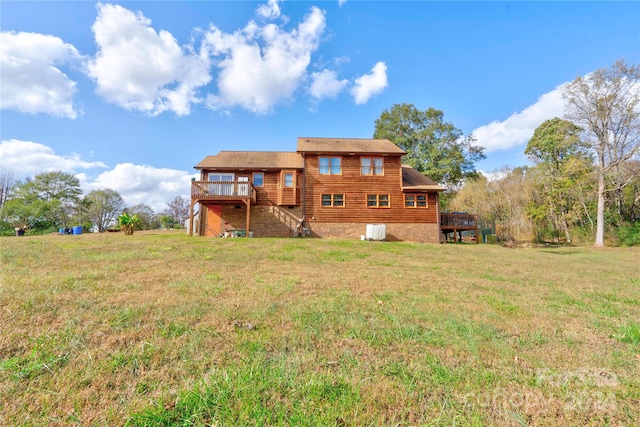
(155, 187)
(261, 66)
(152, 186)
(325, 84)
(341, 2)
(140, 69)
(370, 84)
(31, 75)
(519, 127)
(270, 10)
(26, 158)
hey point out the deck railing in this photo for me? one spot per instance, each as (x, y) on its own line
(458, 220)
(222, 190)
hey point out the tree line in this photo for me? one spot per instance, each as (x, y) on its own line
(584, 184)
(51, 201)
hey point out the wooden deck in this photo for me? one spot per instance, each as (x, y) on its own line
(457, 222)
(222, 192)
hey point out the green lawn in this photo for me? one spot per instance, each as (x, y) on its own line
(163, 329)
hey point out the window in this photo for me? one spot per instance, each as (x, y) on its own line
(330, 165)
(415, 201)
(371, 166)
(378, 201)
(221, 184)
(332, 200)
(258, 179)
(288, 180)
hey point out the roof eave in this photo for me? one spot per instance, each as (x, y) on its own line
(423, 188)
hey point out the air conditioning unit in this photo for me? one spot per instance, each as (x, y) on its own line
(376, 232)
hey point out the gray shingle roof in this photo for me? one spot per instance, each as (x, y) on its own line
(348, 145)
(414, 180)
(252, 160)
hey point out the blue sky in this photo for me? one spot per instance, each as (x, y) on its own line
(131, 95)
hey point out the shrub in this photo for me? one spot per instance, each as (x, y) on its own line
(629, 234)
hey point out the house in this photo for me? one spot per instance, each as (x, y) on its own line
(336, 186)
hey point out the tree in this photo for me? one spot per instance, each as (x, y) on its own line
(606, 103)
(128, 223)
(178, 209)
(561, 159)
(6, 186)
(148, 218)
(55, 185)
(503, 202)
(167, 221)
(44, 202)
(434, 147)
(104, 207)
(632, 191)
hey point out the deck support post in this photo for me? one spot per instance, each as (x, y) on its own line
(191, 218)
(248, 216)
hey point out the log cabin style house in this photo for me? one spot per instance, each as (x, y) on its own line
(335, 187)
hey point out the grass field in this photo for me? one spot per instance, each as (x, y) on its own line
(163, 329)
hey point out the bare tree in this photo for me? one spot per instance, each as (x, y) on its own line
(606, 103)
(6, 185)
(178, 209)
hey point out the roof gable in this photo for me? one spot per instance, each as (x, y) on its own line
(252, 160)
(348, 145)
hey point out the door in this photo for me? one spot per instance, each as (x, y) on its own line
(214, 221)
(243, 185)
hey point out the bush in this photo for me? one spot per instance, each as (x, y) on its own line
(629, 234)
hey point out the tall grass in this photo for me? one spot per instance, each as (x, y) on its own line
(163, 329)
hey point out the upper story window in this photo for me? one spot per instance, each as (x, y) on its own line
(330, 165)
(415, 201)
(371, 166)
(288, 180)
(378, 201)
(258, 179)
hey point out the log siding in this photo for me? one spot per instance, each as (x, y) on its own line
(359, 182)
(356, 187)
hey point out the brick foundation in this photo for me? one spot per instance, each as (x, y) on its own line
(278, 221)
(266, 221)
(424, 233)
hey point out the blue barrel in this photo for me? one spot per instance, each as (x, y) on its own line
(62, 231)
(77, 230)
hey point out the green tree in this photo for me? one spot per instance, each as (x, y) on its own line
(561, 159)
(606, 103)
(167, 222)
(104, 207)
(148, 218)
(43, 202)
(434, 147)
(128, 223)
